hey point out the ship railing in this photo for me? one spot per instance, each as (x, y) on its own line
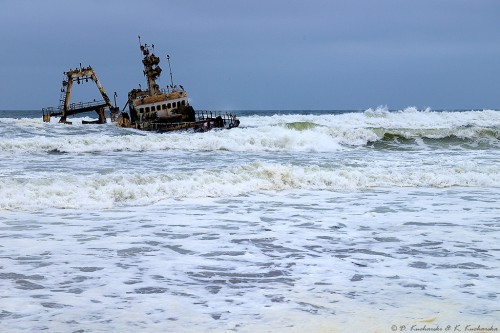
(85, 105)
(228, 118)
(51, 109)
(170, 89)
(74, 106)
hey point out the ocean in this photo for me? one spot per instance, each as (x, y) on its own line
(297, 221)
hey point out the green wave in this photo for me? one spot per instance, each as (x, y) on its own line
(301, 125)
(462, 133)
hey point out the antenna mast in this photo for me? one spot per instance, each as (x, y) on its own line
(170, 68)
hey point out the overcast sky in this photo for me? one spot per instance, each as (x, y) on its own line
(252, 55)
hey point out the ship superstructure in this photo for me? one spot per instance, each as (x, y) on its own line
(168, 109)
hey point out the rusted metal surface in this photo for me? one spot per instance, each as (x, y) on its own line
(65, 109)
(155, 109)
(151, 109)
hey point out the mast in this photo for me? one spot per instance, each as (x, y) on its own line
(152, 70)
(170, 68)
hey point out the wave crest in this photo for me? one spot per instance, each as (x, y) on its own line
(107, 191)
(294, 133)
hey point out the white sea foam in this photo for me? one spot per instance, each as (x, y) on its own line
(245, 139)
(353, 222)
(61, 190)
(325, 133)
(383, 118)
(292, 262)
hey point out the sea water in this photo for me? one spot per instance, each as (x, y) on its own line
(369, 221)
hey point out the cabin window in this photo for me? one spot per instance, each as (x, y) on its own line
(141, 110)
(183, 102)
(147, 108)
(164, 107)
(153, 108)
(169, 106)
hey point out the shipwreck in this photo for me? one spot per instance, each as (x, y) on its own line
(65, 108)
(152, 109)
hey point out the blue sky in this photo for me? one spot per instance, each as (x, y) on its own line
(252, 55)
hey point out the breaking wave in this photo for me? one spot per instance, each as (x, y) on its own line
(47, 165)
(294, 132)
(60, 190)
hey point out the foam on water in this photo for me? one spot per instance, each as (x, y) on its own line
(322, 133)
(57, 189)
(315, 260)
(327, 222)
